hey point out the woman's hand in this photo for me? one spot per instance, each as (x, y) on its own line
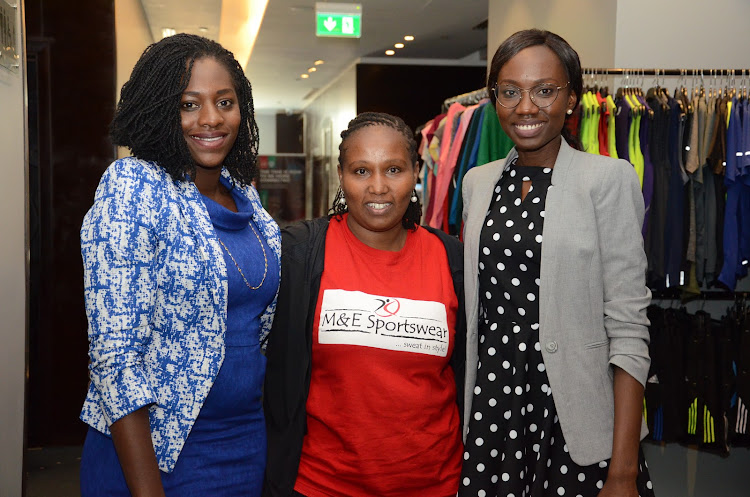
(616, 486)
(624, 465)
(131, 435)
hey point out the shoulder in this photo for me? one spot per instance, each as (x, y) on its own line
(602, 173)
(599, 163)
(451, 243)
(132, 188)
(454, 252)
(302, 233)
(132, 177)
(133, 168)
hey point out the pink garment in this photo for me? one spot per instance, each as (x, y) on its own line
(440, 185)
(447, 168)
(434, 149)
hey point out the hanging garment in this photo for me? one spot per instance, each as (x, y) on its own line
(468, 150)
(445, 132)
(445, 166)
(603, 135)
(738, 201)
(658, 143)
(673, 236)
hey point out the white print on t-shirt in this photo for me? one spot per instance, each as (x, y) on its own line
(356, 318)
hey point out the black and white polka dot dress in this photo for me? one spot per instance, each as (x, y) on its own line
(515, 446)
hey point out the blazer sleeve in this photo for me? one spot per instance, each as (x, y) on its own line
(619, 211)
(118, 246)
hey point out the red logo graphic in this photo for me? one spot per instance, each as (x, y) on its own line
(388, 308)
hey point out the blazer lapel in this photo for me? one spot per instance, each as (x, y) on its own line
(198, 222)
(481, 198)
(553, 223)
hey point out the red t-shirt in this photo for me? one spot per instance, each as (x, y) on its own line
(382, 418)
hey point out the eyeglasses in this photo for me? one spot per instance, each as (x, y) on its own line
(542, 95)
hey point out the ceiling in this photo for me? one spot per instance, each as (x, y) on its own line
(286, 46)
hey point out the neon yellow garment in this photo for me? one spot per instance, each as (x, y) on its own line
(611, 138)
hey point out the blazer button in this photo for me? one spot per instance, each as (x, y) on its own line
(551, 347)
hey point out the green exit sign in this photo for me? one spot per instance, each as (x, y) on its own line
(341, 20)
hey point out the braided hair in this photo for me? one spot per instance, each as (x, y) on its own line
(413, 214)
(147, 119)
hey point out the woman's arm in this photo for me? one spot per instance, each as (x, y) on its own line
(623, 467)
(132, 438)
(118, 247)
(619, 215)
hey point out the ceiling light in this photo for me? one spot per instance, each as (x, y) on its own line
(312, 69)
(318, 62)
(408, 38)
(203, 29)
(239, 26)
(390, 52)
(165, 32)
(304, 76)
(399, 45)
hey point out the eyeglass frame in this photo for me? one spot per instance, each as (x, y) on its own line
(528, 90)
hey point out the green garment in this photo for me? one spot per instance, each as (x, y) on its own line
(494, 144)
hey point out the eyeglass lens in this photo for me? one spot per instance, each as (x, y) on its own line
(542, 95)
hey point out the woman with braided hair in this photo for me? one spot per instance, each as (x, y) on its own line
(365, 359)
(181, 269)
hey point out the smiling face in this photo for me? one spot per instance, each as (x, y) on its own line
(535, 131)
(377, 177)
(210, 113)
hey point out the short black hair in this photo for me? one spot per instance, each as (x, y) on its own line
(533, 37)
(147, 119)
(413, 215)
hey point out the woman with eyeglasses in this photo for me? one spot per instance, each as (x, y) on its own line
(557, 338)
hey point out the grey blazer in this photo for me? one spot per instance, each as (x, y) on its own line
(592, 295)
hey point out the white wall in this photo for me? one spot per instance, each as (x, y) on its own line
(267, 130)
(335, 106)
(13, 289)
(588, 25)
(683, 35)
(133, 35)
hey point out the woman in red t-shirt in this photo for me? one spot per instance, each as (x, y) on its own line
(365, 358)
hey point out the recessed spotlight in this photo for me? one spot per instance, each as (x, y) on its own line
(165, 32)
(312, 69)
(390, 52)
(203, 29)
(399, 45)
(304, 76)
(408, 38)
(318, 62)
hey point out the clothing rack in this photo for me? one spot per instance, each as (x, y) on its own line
(677, 294)
(469, 98)
(475, 96)
(666, 72)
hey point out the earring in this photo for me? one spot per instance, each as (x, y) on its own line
(570, 111)
(414, 197)
(341, 199)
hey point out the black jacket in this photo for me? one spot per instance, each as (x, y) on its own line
(290, 346)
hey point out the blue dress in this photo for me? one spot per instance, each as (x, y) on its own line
(225, 453)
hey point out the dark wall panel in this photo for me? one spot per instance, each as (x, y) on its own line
(72, 46)
(414, 93)
(289, 134)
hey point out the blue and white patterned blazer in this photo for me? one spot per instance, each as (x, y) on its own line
(155, 287)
